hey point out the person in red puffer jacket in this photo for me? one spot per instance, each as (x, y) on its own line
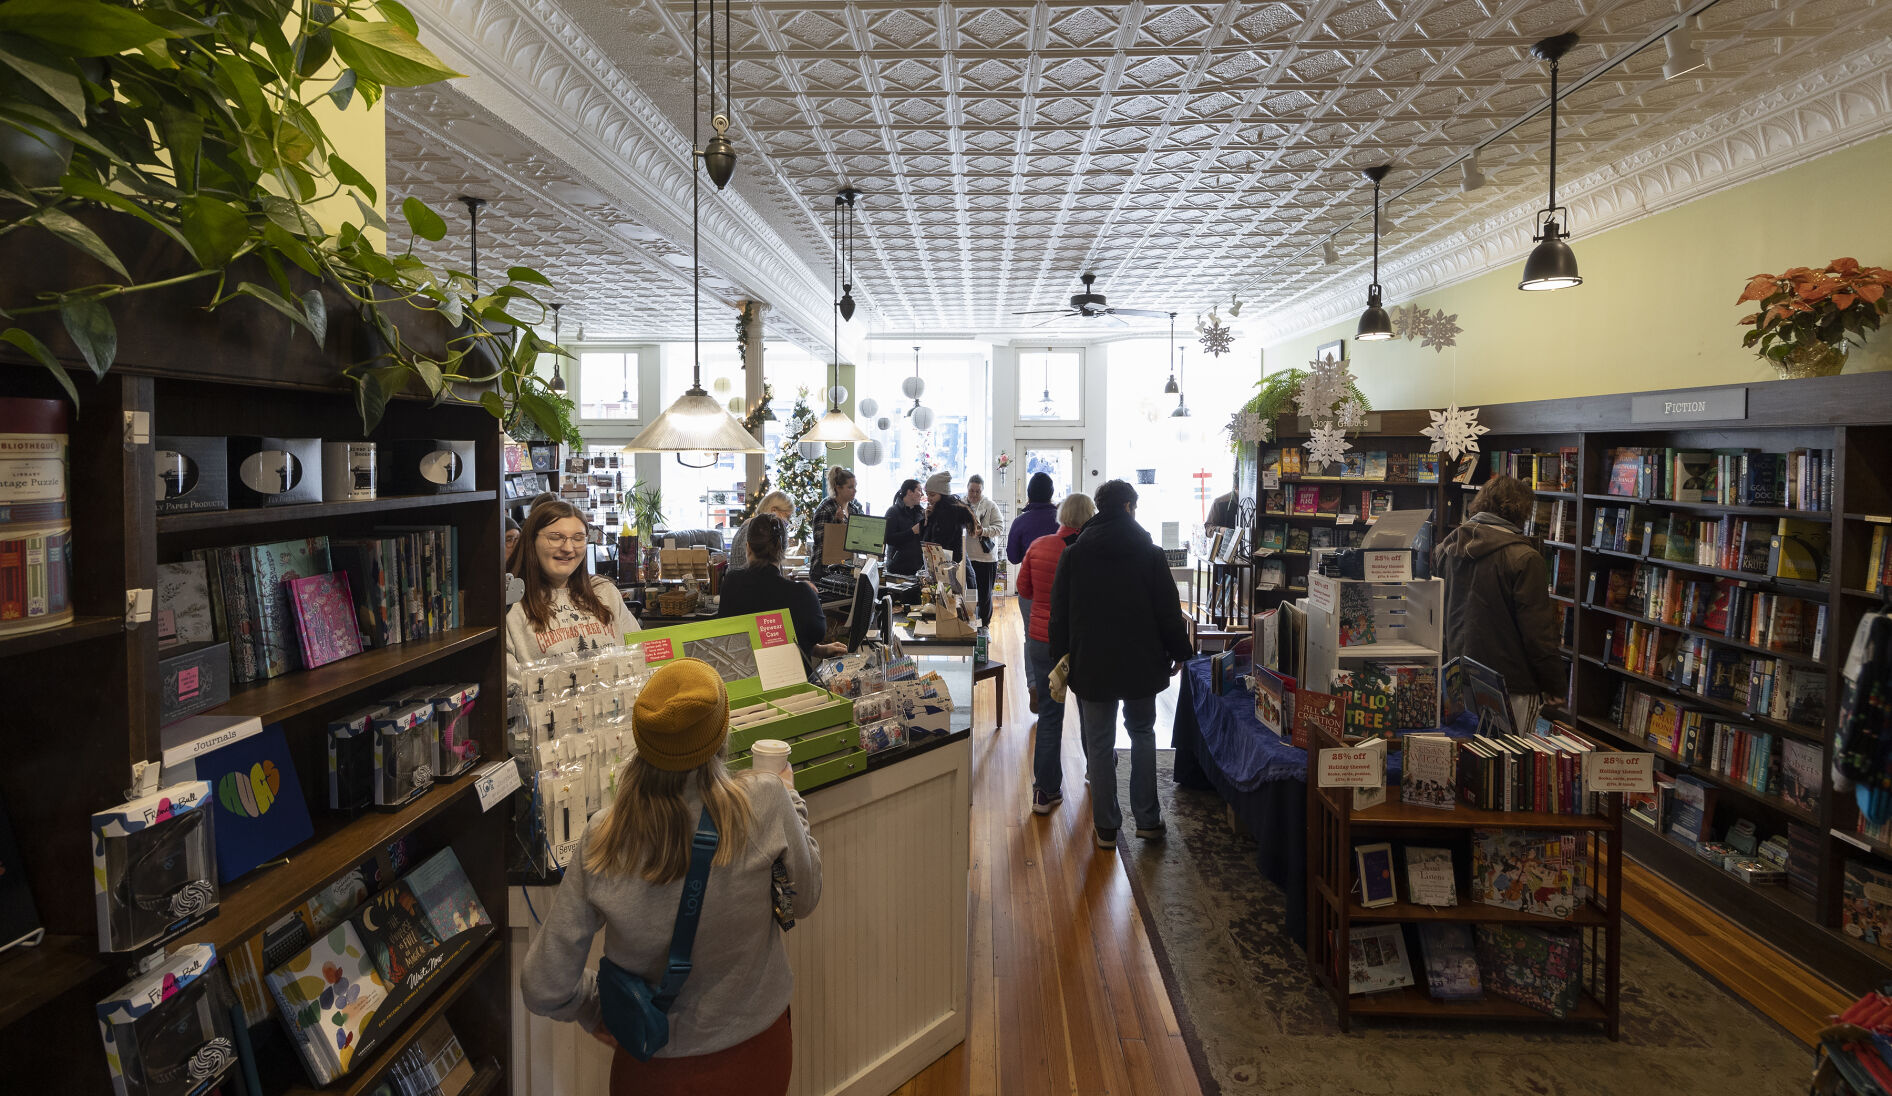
(1036, 572)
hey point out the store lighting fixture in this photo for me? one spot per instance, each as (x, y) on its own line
(846, 251)
(1684, 55)
(837, 429)
(1375, 324)
(1470, 177)
(1552, 265)
(558, 379)
(913, 388)
(1182, 409)
(1172, 388)
(1046, 409)
(696, 423)
(719, 155)
(1329, 254)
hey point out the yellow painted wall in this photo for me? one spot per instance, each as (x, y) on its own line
(360, 137)
(1656, 308)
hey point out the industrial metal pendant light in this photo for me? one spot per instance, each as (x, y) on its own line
(1182, 409)
(837, 429)
(1172, 388)
(1046, 408)
(558, 379)
(1552, 265)
(719, 155)
(846, 245)
(696, 423)
(1375, 324)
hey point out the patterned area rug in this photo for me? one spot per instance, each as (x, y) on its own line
(1258, 1023)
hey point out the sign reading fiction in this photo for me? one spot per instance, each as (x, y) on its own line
(1718, 404)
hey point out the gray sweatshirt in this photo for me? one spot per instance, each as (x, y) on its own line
(568, 630)
(739, 980)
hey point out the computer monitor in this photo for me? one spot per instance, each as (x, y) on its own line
(866, 534)
(866, 592)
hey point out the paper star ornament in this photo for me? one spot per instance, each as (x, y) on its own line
(1454, 431)
(1326, 445)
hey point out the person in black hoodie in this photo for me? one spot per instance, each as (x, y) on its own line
(948, 518)
(1497, 597)
(906, 518)
(1114, 610)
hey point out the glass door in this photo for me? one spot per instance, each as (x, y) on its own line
(1061, 460)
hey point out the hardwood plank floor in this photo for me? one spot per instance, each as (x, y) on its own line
(1066, 996)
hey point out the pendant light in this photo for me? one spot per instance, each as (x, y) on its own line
(696, 423)
(1172, 388)
(1552, 265)
(846, 246)
(1182, 409)
(1046, 408)
(719, 155)
(558, 379)
(837, 429)
(914, 387)
(1375, 324)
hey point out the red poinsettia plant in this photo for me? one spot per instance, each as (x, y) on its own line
(1803, 306)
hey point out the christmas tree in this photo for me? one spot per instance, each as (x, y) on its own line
(801, 477)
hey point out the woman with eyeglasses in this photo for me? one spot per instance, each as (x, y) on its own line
(566, 607)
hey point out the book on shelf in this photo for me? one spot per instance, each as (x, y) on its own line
(1451, 959)
(434, 1064)
(1354, 614)
(1800, 549)
(1353, 465)
(1428, 771)
(1426, 469)
(1274, 534)
(1430, 878)
(1275, 500)
(1536, 871)
(1306, 498)
(1376, 959)
(327, 994)
(324, 613)
(182, 604)
(1866, 912)
(1800, 772)
(1538, 967)
(1879, 560)
(1327, 499)
(1377, 464)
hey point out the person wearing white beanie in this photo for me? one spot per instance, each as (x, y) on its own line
(981, 551)
(948, 519)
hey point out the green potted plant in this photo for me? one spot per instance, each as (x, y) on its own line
(645, 505)
(1809, 318)
(192, 122)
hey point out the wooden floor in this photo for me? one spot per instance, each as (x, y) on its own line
(1066, 997)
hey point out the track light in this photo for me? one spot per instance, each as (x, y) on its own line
(1470, 177)
(1375, 324)
(1329, 254)
(1552, 265)
(1684, 54)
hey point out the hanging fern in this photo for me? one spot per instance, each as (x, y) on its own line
(1275, 397)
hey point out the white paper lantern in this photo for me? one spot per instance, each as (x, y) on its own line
(883, 424)
(923, 419)
(867, 453)
(722, 386)
(869, 408)
(809, 449)
(913, 387)
(736, 406)
(837, 395)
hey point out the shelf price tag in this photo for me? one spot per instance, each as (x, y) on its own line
(1344, 519)
(1361, 766)
(1618, 772)
(496, 782)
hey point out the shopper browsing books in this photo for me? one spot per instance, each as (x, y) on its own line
(1497, 597)
(987, 524)
(1037, 573)
(761, 587)
(905, 520)
(729, 1025)
(1114, 610)
(1039, 518)
(948, 519)
(775, 502)
(566, 607)
(835, 509)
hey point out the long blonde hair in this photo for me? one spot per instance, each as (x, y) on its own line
(647, 830)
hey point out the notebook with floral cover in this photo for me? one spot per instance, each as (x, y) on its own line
(324, 612)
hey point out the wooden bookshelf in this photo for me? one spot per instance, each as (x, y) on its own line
(82, 700)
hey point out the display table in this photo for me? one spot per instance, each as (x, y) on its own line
(1221, 746)
(880, 965)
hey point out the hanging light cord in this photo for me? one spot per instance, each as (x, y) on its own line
(1553, 136)
(1376, 231)
(835, 372)
(696, 193)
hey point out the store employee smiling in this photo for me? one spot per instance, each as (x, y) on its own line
(566, 607)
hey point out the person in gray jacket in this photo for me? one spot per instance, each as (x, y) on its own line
(729, 1027)
(1497, 597)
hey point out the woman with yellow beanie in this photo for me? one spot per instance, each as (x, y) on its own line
(729, 1024)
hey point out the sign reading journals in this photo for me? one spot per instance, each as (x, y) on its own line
(1689, 405)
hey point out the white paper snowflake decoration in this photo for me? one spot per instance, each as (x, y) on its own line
(1454, 431)
(1326, 385)
(1351, 414)
(1327, 445)
(1440, 331)
(1250, 427)
(1217, 339)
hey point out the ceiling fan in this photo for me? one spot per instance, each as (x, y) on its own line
(1089, 305)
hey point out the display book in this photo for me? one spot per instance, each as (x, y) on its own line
(1798, 479)
(358, 979)
(296, 604)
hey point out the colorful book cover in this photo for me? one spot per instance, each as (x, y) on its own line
(1274, 535)
(1323, 711)
(271, 566)
(260, 813)
(1355, 614)
(1530, 870)
(1451, 959)
(396, 932)
(1694, 477)
(239, 619)
(1299, 539)
(329, 993)
(1368, 697)
(1328, 499)
(447, 896)
(1541, 968)
(1376, 959)
(1353, 465)
(1800, 773)
(1428, 468)
(1415, 695)
(183, 604)
(326, 624)
(1427, 776)
(1376, 465)
(1306, 499)
(371, 568)
(1275, 501)
(1866, 913)
(1625, 472)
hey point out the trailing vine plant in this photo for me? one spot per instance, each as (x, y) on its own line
(195, 117)
(745, 319)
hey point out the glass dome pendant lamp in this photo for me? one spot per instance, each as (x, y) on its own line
(837, 429)
(1552, 265)
(913, 388)
(695, 423)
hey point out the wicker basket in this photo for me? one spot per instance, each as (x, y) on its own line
(677, 602)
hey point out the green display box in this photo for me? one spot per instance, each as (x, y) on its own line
(808, 746)
(759, 662)
(835, 712)
(810, 775)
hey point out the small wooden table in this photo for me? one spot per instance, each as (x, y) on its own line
(993, 669)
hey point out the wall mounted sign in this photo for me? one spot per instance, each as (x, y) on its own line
(1701, 404)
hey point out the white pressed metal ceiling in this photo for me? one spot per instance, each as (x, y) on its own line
(1179, 151)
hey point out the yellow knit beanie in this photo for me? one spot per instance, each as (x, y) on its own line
(681, 717)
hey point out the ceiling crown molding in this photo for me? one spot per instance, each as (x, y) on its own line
(533, 69)
(1842, 104)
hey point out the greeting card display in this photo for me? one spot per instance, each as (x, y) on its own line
(154, 869)
(169, 1032)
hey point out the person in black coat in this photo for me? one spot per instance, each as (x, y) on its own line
(761, 587)
(948, 518)
(906, 520)
(1114, 610)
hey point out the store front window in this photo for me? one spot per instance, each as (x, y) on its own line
(607, 385)
(1050, 387)
(958, 395)
(708, 498)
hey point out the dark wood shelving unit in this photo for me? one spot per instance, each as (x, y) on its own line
(1795, 657)
(1801, 588)
(1773, 802)
(81, 702)
(1712, 507)
(1725, 707)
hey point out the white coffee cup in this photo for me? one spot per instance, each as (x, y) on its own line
(769, 755)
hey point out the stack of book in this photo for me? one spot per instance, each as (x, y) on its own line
(1540, 772)
(1879, 560)
(1801, 479)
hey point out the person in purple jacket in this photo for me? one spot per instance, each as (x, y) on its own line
(1039, 518)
